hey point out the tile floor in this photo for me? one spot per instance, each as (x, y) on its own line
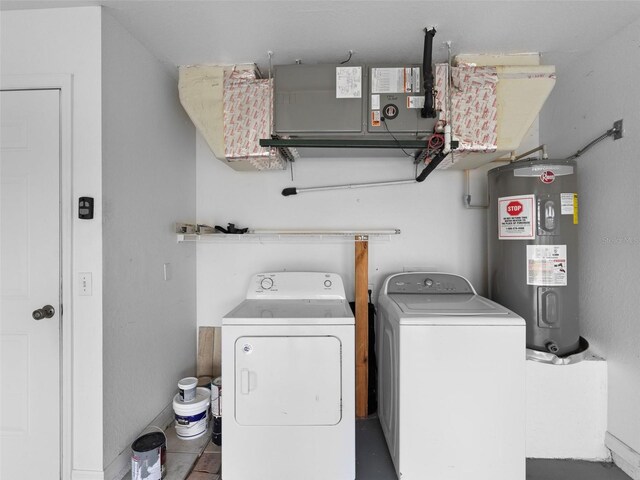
(183, 454)
(208, 465)
(372, 460)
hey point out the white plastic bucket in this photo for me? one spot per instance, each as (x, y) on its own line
(187, 389)
(192, 418)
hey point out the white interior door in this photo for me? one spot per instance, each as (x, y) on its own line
(29, 280)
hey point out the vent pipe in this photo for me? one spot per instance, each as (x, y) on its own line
(428, 110)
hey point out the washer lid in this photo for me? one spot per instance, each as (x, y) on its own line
(457, 309)
(290, 312)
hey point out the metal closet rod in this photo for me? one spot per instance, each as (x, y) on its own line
(362, 231)
(426, 171)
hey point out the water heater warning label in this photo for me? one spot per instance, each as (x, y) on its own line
(516, 218)
(567, 203)
(547, 265)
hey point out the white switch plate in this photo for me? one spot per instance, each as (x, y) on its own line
(85, 284)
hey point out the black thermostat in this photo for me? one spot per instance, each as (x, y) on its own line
(85, 208)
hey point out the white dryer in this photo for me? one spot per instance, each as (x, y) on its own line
(451, 367)
(288, 371)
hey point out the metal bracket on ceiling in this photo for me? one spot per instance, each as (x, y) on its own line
(270, 55)
(284, 151)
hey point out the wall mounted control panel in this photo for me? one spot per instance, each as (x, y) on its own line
(338, 101)
(428, 283)
(395, 100)
(85, 208)
(296, 285)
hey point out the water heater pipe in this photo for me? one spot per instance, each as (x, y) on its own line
(542, 147)
(447, 139)
(449, 107)
(428, 110)
(467, 193)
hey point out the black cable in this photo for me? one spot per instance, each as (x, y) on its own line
(435, 161)
(606, 134)
(427, 74)
(350, 55)
(397, 141)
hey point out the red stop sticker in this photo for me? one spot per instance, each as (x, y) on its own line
(514, 208)
(547, 176)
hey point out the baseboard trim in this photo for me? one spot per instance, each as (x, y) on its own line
(122, 463)
(87, 475)
(623, 456)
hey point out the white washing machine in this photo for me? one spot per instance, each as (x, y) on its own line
(451, 367)
(288, 371)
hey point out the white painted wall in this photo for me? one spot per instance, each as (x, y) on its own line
(590, 94)
(148, 179)
(67, 41)
(437, 231)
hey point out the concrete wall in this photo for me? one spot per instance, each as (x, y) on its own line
(67, 41)
(590, 94)
(148, 180)
(437, 231)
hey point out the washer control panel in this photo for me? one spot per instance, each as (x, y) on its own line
(296, 285)
(266, 283)
(428, 283)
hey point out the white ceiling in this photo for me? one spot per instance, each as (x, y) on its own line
(189, 32)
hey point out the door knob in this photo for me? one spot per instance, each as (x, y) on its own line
(45, 312)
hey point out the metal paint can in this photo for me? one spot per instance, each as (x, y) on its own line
(216, 396)
(187, 389)
(204, 382)
(216, 435)
(216, 410)
(148, 456)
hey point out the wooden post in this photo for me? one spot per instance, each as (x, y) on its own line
(204, 362)
(362, 325)
(208, 362)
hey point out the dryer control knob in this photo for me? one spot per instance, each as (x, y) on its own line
(266, 283)
(327, 283)
(428, 282)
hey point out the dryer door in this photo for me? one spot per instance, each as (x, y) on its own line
(288, 380)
